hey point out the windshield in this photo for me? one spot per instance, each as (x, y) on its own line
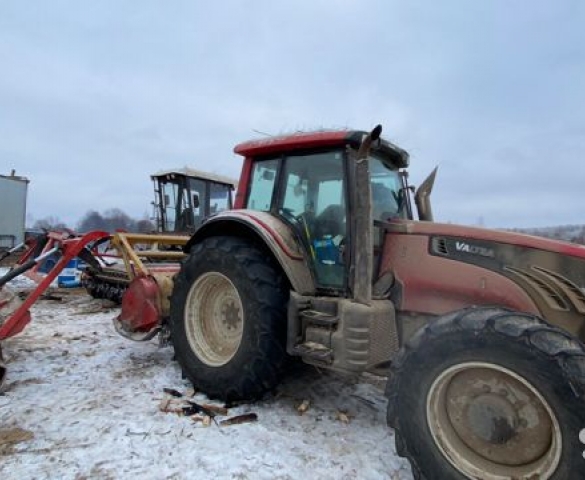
(387, 200)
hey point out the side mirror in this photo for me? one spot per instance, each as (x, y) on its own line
(167, 200)
(195, 200)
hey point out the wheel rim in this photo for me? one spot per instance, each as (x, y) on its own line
(491, 423)
(214, 319)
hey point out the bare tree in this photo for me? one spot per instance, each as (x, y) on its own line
(49, 223)
(112, 220)
(116, 219)
(92, 220)
(145, 225)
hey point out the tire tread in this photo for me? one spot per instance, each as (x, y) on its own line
(548, 340)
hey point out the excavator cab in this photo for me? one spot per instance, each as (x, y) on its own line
(184, 197)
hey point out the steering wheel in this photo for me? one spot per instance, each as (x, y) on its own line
(301, 218)
(301, 222)
(289, 215)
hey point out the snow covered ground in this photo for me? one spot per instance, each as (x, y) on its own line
(81, 402)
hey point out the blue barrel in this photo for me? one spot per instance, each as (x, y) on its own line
(70, 276)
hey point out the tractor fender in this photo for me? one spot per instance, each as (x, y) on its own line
(271, 233)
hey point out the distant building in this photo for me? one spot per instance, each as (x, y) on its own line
(13, 191)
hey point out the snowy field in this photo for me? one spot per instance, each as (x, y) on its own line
(81, 402)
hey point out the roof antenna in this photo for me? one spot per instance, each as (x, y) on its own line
(262, 133)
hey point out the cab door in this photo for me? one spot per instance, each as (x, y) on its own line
(312, 199)
(309, 193)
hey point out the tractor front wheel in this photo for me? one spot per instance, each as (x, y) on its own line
(487, 393)
(228, 319)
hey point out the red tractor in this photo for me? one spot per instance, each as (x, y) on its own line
(479, 331)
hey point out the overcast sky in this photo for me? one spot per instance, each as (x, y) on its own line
(96, 96)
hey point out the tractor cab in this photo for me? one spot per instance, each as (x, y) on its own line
(310, 181)
(184, 197)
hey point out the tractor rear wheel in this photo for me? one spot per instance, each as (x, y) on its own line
(488, 393)
(228, 319)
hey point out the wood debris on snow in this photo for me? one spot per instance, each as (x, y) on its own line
(239, 419)
(205, 420)
(204, 413)
(172, 392)
(12, 436)
(303, 407)
(343, 417)
(218, 410)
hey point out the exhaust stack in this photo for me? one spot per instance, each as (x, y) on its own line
(422, 197)
(362, 251)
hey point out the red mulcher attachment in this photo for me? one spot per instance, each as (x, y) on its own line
(17, 314)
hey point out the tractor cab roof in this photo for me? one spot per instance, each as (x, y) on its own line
(192, 173)
(319, 139)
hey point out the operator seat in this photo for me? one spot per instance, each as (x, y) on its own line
(330, 221)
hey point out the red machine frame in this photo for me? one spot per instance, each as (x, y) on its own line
(69, 245)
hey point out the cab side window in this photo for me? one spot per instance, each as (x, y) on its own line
(262, 183)
(219, 198)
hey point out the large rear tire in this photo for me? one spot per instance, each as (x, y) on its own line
(228, 319)
(487, 393)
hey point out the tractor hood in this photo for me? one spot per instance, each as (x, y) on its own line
(550, 272)
(486, 236)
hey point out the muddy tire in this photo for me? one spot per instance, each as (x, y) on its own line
(228, 319)
(489, 393)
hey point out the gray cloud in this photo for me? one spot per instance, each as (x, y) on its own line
(95, 96)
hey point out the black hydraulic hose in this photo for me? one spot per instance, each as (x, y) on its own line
(37, 249)
(15, 272)
(12, 250)
(88, 258)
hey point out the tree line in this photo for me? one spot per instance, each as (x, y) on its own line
(109, 221)
(568, 233)
(115, 219)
